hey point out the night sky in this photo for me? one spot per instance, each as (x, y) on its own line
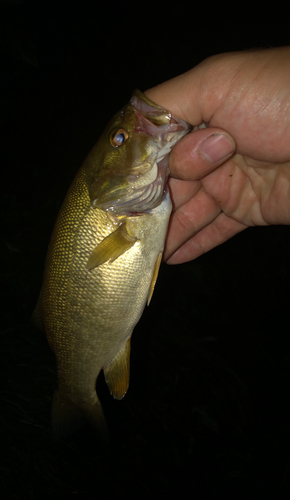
(207, 412)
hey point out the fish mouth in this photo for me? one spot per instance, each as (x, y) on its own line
(154, 118)
(147, 182)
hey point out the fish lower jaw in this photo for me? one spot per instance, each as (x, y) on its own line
(163, 153)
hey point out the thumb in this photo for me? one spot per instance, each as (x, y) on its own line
(200, 152)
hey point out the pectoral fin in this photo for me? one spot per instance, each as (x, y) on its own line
(111, 247)
(117, 373)
(154, 277)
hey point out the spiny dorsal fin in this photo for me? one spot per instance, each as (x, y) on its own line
(117, 373)
(111, 247)
(154, 277)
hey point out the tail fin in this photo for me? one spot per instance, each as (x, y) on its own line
(67, 417)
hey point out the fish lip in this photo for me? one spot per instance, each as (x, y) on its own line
(154, 120)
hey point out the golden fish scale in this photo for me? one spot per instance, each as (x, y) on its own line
(89, 314)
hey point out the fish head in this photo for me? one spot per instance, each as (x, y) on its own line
(129, 174)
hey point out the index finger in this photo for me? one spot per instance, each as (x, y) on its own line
(195, 95)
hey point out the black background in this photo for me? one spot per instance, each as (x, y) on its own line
(207, 412)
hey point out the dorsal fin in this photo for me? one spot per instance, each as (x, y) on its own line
(117, 373)
(111, 247)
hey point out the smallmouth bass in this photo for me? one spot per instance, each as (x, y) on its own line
(104, 256)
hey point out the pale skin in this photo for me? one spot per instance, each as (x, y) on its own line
(244, 98)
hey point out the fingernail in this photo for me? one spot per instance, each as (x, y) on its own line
(217, 147)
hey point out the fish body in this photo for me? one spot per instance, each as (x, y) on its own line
(103, 258)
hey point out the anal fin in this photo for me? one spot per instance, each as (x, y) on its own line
(154, 277)
(111, 247)
(117, 373)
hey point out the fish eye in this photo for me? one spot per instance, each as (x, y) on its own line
(118, 137)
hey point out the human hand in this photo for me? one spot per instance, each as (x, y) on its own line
(244, 98)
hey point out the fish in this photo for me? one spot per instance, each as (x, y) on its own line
(103, 259)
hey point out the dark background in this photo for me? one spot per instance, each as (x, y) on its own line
(207, 412)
